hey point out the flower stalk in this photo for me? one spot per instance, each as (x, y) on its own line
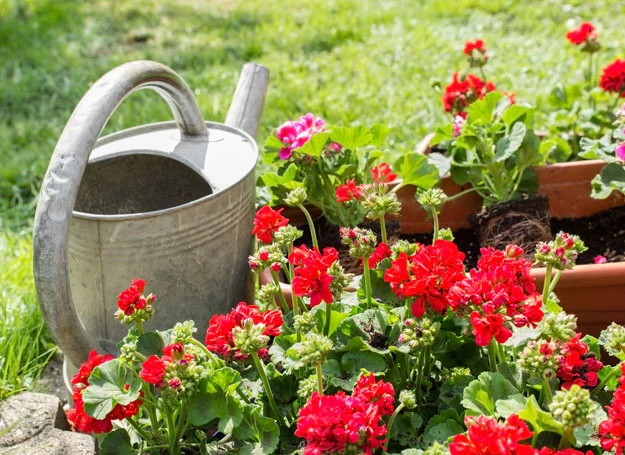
(263, 377)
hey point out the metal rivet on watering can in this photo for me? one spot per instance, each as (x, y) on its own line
(171, 202)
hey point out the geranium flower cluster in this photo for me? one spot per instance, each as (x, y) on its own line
(462, 91)
(427, 276)
(612, 430)
(586, 36)
(613, 78)
(475, 52)
(560, 253)
(220, 336)
(266, 222)
(485, 435)
(342, 424)
(498, 293)
(316, 274)
(78, 417)
(175, 370)
(375, 197)
(133, 305)
(296, 133)
(577, 365)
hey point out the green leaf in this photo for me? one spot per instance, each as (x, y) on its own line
(443, 134)
(379, 133)
(540, 420)
(517, 113)
(150, 343)
(415, 170)
(354, 362)
(606, 371)
(107, 388)
(482, 110)
(612, 177)
(203, 408)
(441, 427)
(287, 179)
(352, 137)
(441, 162)
(509, 406)
(117, 442)
(264, 431)
(405, 428)
(450, 395)
(315, 145)
(508, 145)
(480, 397)
(586, 435)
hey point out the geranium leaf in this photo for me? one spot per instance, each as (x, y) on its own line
(355, 362)
(517, 113)
(586, 435)
(450, 395)
(540, 420)
(441, 427)
(263, 431)
(509, 144)
(351, 137)
(107, 387)
(612, 177)
(480, 397)
(482, 110)
(150, 343)
(315, 145)
(509, 406)
(379, 133)
(117, 442)
(415, 170)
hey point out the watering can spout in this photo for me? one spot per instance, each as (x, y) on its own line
(186, 234)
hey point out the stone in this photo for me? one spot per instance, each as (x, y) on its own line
(35, 424)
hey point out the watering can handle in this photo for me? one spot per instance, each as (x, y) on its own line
(61, 182)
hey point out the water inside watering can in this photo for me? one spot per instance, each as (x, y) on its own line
(138, 183)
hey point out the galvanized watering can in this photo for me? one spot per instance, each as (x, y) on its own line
(171, 202)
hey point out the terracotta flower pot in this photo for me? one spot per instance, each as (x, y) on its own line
(595, 292)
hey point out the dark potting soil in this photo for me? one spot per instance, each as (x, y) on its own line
(603, 234)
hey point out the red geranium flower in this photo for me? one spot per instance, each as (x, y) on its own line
(577, 364)
(477, 45)
(130, 299)
(219, 338)
(462, 92)
(349, 191)
(153, 370)
(383, 174)
(268, 221)
(612, 430)
(586, 31)
(314, 283)
(487, 436)
(485, 327)
(613, 78)
(382, 251)
(381, 393)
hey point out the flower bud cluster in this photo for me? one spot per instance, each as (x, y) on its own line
(184, 373)
(572, 407)
(140, 313)
(446, 234)
(362, 242)
(559, 326)
(436, 449)
(404, 246)
(540, 358)
(432, 198)
(284, 237)
(249, 338)
(613, 340)
(377, 205)
(408, 399)
(183, 331)
(268, 256)
(340, 280)
(418, 336)
(267, 294)
(313, 349)
(128, 349)
(560, 253)
(295, 197)
(306, 387)
(305, 322)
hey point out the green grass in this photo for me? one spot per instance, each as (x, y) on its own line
(350, 61)
(25, 345)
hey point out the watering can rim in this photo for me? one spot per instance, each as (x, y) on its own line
(155, 127)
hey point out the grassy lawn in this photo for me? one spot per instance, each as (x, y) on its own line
(349, 61)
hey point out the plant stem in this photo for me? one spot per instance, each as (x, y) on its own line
(140, 326)
(326, 329)
(151, 413)
(367, 277)
(547, 390)
(319, 379)
(383, 229)
(263, 377)
(564, 442)
(391, 421)
(435, 220)
(555, 280)
(419, 367)
(492, 355)
(210, 355)
(460, 194)
(599, 387)
(182, 420)
(547, 283)
(311, 225)
(285, 306)
(144, 434)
